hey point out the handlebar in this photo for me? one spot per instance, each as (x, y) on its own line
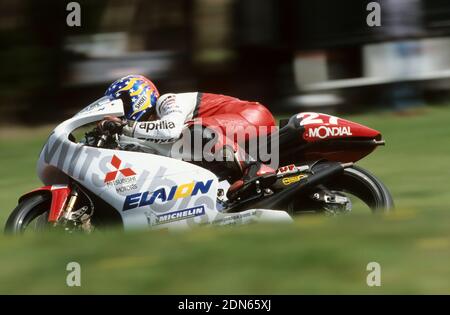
(104, 139)
(101, 141)
(112, 127)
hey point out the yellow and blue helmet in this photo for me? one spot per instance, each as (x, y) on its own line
(138, 93)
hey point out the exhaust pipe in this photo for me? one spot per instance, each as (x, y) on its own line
(279, 199)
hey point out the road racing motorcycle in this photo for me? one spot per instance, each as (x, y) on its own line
(97, 181)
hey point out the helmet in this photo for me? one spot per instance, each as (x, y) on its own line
(138, 94)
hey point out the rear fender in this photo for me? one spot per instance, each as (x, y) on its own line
(320, 127)
(59, 195)
(336, 139)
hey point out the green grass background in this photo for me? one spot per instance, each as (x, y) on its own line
(313, 255)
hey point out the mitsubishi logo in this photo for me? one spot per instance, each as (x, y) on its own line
(116, 162)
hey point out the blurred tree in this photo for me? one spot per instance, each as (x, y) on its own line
(33, 57)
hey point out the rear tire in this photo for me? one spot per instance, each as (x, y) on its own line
(355, 181)
(361, 182)
(28, 210)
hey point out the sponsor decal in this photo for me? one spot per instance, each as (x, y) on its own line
(100, 106)
(161, 124)
(126, 182)
(287, 169)
(169, 106)
(234, 219)
(116, 162)
(293, 179)
(156, 219)
(162, 194)
(140, 103)
(168, 102)
(160, 141)
(323, 132)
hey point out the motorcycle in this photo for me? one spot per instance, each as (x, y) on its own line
(98, 182)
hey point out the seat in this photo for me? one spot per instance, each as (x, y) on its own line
(290, 132)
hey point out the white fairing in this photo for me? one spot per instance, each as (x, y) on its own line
(147, 190)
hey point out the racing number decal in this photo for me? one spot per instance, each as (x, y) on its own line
(309, 118)
(315, 118)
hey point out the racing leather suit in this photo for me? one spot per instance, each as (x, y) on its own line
(176, 110)
(224, 114)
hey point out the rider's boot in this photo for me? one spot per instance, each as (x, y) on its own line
(255, 175)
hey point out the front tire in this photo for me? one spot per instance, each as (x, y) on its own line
(33, 208)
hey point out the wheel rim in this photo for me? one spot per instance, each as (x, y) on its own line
(30, 213)
(38, 223)
(353, 183)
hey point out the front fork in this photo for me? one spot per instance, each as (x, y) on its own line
(72, 219)
(70, 204)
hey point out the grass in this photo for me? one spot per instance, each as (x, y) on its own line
(314, 255)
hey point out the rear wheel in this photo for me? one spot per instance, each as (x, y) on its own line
(30, 215)
(354, 186)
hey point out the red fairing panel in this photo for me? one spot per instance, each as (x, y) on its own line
(320, 127)
(60, 193)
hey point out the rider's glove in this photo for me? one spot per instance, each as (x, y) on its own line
(111, 124)
(128, 129)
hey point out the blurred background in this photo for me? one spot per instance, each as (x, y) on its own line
(292, 55)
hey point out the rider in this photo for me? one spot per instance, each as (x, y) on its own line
(161, 118)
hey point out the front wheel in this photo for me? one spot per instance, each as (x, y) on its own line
(339, 194)
(30, 214)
